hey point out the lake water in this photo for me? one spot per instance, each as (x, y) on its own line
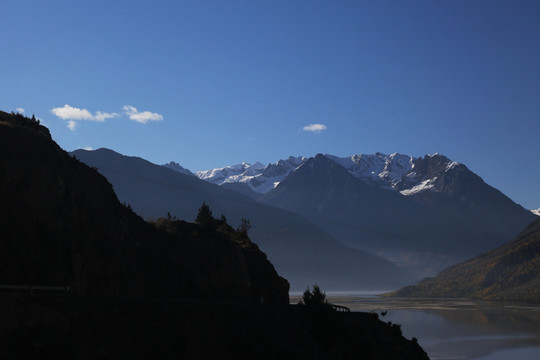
(450, 329)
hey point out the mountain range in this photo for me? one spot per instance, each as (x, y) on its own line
(299, 249)
(396, 172)
(421, 213)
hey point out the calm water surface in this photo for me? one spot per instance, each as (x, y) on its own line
(455, 328)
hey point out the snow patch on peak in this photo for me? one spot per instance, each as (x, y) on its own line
(424, 185)
(536, 212)
(258, 177)
(451, 165)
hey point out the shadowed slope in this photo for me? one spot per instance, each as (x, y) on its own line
(300, 250)
(62, 225)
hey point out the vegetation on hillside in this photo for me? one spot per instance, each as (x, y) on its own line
(510, 272)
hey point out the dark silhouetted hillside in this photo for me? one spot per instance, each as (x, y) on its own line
(62, 225)
(72, 328)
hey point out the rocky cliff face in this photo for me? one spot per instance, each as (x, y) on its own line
(62, 225)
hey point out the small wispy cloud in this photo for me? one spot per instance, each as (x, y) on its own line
(72, 125)
(316, 128)
(73, 114)
(141, 117)
(88, 148)
(19, 110)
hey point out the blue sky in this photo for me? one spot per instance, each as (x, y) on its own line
(214, 83)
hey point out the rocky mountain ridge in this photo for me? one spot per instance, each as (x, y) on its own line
(259, 178)
(178, 168)
(403, 173)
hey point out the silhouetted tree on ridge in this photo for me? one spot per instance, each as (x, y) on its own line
(315, 298)
(204, 217)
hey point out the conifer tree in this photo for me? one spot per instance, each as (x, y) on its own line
(204, 217)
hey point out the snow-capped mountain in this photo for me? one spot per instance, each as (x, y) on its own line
(536, 212)
(178, 168)
(258, 177)
(389, 171)
(403, 173)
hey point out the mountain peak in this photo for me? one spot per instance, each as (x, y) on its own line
(178, 168)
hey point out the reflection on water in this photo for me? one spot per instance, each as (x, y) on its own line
(457, 328)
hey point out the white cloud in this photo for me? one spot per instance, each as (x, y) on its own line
(19, 110)
(104, 116)
(141, 117)
(73, 114)
(88, 148)
(72, 125)
(316, 128)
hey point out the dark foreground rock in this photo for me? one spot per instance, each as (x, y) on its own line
(41, 327)
(61, 224)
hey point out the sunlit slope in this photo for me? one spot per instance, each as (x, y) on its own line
(510, 272)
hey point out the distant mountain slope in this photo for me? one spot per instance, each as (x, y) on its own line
(300, 250)
(178, 168)
(453, 216)
(62, 225)
(510, 272)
